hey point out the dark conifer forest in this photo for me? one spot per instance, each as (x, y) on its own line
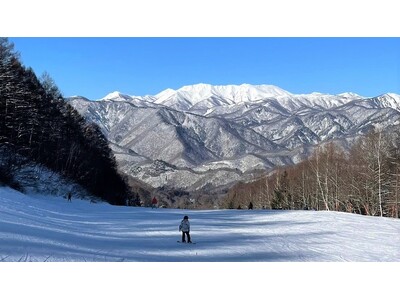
(38, 125)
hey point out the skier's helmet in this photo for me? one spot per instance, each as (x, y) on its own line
(186, 217)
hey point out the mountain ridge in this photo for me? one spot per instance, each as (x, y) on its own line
(204, 91)
(198, 127)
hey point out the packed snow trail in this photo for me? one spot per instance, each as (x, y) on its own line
(36, 228)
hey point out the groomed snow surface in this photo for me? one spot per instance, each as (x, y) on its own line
(37, 228)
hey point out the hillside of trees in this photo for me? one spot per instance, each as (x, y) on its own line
(364, 180)
(38, 126)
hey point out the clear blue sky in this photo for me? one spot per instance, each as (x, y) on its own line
(94, 67)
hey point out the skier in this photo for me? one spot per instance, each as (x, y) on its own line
(154, 203)
(185, 228)
(250, 205)
(69, 196)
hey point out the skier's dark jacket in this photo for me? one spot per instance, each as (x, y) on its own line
(185, 225)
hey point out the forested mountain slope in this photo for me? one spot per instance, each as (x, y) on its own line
(38, 127)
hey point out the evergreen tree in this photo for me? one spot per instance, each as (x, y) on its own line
(39, 126)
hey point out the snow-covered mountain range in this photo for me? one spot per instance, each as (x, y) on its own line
(209, 136)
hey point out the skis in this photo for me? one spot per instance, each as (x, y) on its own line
(185, 242)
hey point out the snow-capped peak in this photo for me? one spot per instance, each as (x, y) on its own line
(77, 97)
(237, 93)
(116, 96)
(165, 94)
(393, 96)
(350, 95)
(204, 96)
(190, 95)
(389, 100)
